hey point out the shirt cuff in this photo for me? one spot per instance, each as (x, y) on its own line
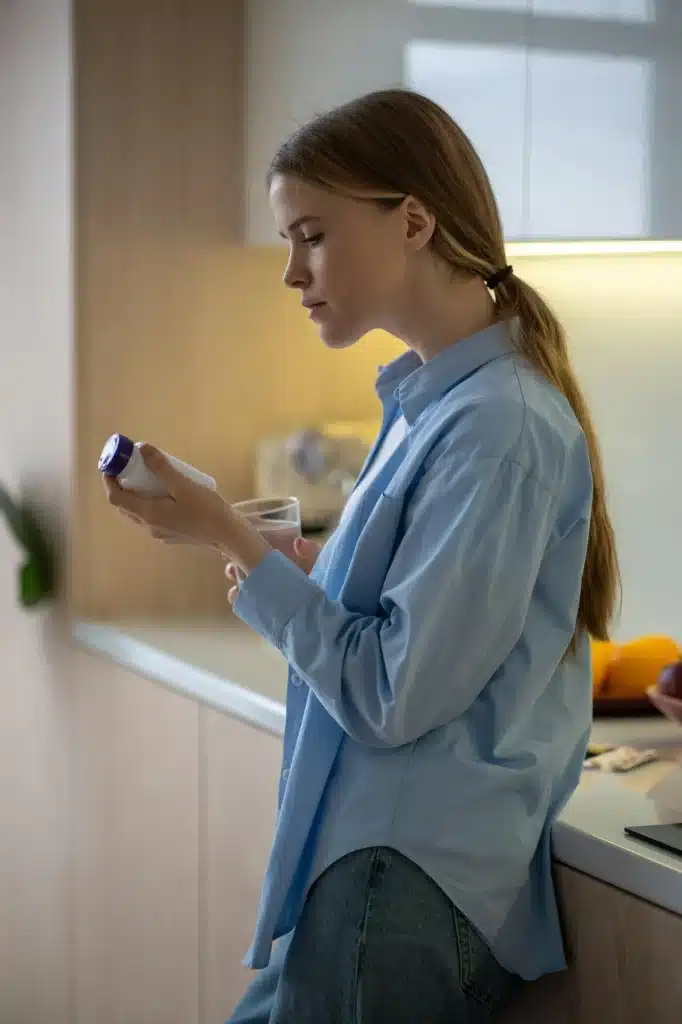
(271, 595)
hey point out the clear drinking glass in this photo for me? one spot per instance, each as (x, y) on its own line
(278, 519)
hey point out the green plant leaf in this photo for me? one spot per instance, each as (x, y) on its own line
(14, 516)
(41, 557)
(31, 589)
(38, 574)
(34, 536)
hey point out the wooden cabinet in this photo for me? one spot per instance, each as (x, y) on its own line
(624, 961)
(158, 160)
(570, 103)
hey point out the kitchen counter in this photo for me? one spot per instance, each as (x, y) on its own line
(589, 833)
(228, 667)
(221, 663)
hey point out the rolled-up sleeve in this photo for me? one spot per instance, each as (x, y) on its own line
(453, 604)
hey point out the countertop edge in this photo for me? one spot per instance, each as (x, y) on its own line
(181, 676)
(632, 871)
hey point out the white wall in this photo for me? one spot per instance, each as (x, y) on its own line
(35, 454)
(624, 318)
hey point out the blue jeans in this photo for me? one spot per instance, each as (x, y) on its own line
(378, 942)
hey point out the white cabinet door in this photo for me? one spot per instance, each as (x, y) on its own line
(302, 58)
(135, 818)
(605, 83)
(589, 174)
(484, 88)
(239, 770)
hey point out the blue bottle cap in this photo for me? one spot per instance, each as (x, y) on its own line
(116, 454)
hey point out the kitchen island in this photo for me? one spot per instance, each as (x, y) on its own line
(621, 898)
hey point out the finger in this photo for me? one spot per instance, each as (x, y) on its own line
(170, 536)
(306, 548)
(129, 515)
(153, 511)
(112, 488)
(233, 594)
(159, 533)
(306, 552)
(127, 501)
(231, 572)
(159, 465)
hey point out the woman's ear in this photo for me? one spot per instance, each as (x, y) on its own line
(418, 222)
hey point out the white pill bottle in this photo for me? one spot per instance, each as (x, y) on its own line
(121, 458)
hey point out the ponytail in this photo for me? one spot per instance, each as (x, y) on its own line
(542, 341)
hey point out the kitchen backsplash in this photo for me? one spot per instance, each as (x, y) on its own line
(247, 363)
(624, 318)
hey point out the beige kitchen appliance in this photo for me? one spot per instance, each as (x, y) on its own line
(318, 465)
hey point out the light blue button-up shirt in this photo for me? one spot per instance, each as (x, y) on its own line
(430, 707)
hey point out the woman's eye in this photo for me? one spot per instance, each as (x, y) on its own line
(313, 239)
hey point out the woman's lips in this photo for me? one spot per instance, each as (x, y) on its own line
(315, 310)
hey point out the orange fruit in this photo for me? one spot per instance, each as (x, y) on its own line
(602, 653)
(637, 665)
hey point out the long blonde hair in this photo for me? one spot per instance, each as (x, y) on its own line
(393, 143)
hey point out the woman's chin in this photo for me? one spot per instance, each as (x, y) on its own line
(334, 337)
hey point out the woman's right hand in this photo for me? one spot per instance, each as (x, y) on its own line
(306, 556)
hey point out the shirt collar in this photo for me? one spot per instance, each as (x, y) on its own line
(416, 384)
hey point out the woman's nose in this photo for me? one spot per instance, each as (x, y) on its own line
(295, 276)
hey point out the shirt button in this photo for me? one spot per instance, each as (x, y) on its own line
(285, 774)
(295, 679)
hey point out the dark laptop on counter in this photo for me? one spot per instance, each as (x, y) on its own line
(666, 837)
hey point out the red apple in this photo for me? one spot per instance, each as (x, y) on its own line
(670, 680)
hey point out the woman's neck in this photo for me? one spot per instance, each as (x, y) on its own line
(438, 313)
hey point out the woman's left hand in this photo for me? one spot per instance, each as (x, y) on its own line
(191, 514)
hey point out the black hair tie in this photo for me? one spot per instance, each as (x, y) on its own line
(498, 277)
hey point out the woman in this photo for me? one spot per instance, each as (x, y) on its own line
(439, 696)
